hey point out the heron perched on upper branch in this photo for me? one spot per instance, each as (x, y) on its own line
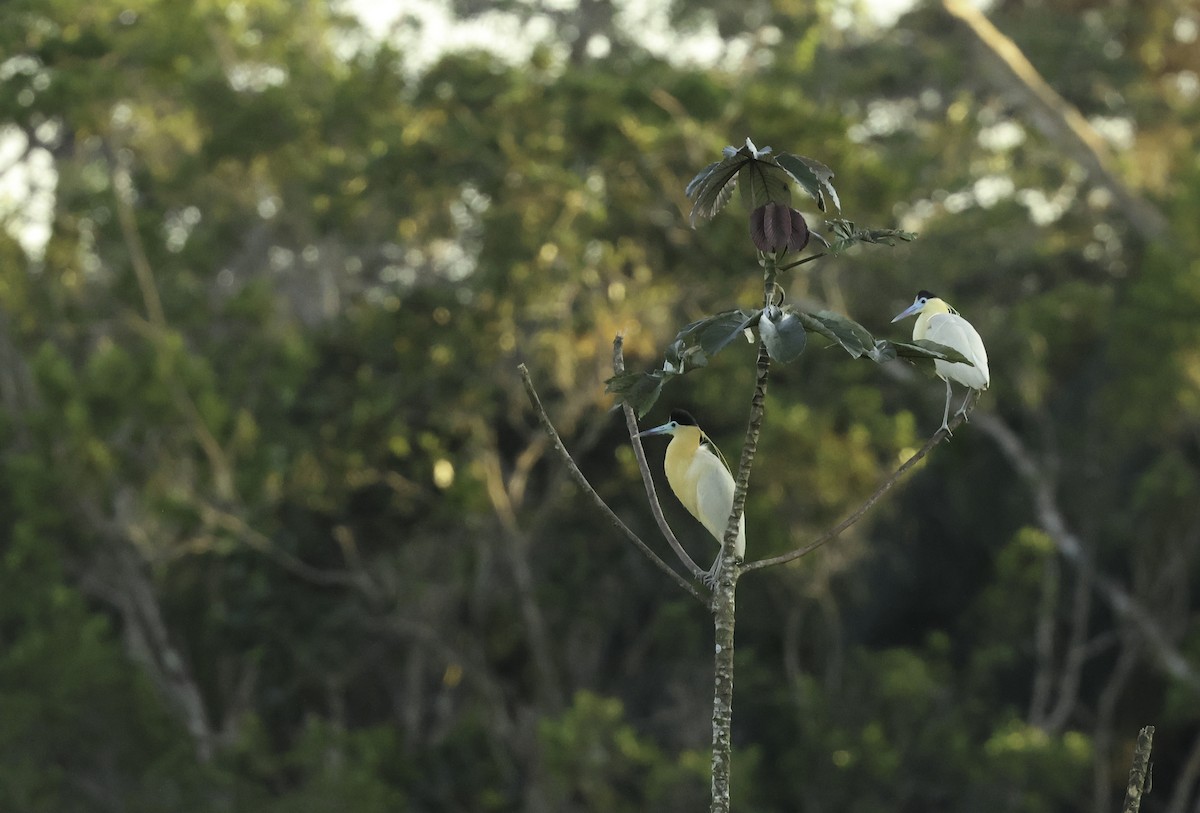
(938, 322)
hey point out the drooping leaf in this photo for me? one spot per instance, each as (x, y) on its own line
(853, 337)
(714, 333)
(701, 176)
(763, 182)
(639, 390)
(691, 350)
(713, 186)
(783, 334)
(813, 176)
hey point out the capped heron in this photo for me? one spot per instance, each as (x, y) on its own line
(699, 477)
(938, 322)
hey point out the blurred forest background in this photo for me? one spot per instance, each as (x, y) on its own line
(281, 534)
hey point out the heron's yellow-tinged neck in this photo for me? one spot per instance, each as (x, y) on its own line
(932, 308)
(680, 452)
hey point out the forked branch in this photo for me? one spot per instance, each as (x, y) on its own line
(644, 468)
(586, 487)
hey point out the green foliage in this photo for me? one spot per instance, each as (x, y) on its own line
(848, 234)
(783, 331)
(596, 761)
(321, 466)
(815, 178)
(764, 178)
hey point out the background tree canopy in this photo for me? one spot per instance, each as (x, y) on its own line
(282, 535)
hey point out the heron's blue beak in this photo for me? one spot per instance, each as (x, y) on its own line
(915, 307)
(658, 430)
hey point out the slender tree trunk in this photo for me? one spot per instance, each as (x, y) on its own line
(722, 719)
(724, 591)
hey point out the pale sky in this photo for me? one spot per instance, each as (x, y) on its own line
(431, 30)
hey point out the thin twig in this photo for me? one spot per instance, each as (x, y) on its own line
(1139, 771)
(582, 482)
(644, 467)
(861, 511)
(808, 259)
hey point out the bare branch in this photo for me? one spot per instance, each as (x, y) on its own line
(215, 517)
(118, 577)
(122, 185)
(1077, 652)
(640, 453)
(156, 326)
(1043, 639)
(597, 500)
(1072, 548)
(868, 503)
(516, 550)
(1057, 118)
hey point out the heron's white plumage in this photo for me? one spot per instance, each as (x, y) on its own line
(954, 331)
(938, 322)
(709, 487)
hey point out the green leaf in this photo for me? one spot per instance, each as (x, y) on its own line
(923, 348)
(694, 183)
(683, 358)
(691, 349)
(713, 186)
(763, 182)
(849, 234)
(853, 337)
(714, 333)
(639, 390)
(813, 176)
(783, 334)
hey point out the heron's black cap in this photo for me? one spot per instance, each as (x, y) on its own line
(926, 295)
(683, 418)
